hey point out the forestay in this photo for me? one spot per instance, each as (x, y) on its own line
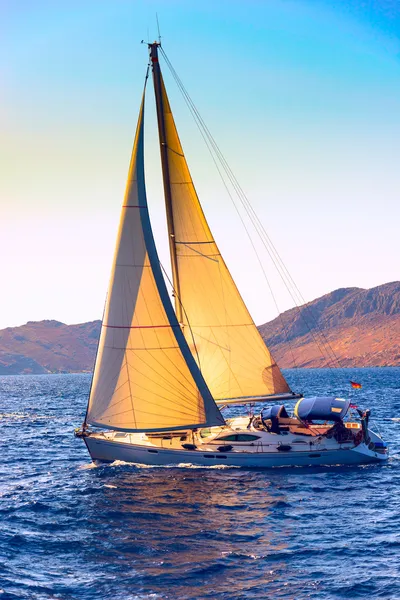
(231, 353)
(145, 377)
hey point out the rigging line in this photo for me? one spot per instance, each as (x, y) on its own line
(220, 262)
(211, 342)
(191, 243)
(219, 154)
(186, 315)
(200, 253)
(158, 30)
(252, 215)
(268, 243)
(242, 221)
(197, 119)
(277, 261)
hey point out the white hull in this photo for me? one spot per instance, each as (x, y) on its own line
(107, 450)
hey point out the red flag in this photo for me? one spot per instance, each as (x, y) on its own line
(356, 386)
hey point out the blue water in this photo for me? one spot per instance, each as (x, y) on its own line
(73, 532)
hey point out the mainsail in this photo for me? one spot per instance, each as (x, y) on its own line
(145, 377)
(231, 353)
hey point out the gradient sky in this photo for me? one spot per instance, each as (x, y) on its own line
(303, 98)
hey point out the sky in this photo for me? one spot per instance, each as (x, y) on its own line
(302, 96)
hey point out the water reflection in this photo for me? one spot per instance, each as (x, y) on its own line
(191, 525)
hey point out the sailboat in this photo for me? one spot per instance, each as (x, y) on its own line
(163, 375)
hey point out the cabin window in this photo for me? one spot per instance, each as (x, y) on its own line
(205, 432)
(239, 437)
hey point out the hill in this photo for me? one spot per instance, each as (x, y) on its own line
(361, 326)
(48, 347)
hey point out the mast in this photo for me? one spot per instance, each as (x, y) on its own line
(166, 174)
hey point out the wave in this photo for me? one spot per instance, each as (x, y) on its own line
(28, 416)
(123, 463)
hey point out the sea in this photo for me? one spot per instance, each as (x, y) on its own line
(71, 530)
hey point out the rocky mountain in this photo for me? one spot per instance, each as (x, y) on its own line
(360, 327)
(48, 347)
